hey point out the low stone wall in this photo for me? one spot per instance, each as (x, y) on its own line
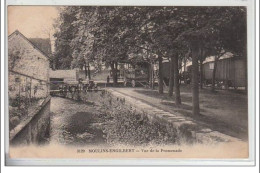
(35, 129)
(190, 130)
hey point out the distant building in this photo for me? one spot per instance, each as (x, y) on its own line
(28, 68)
(231, 70)
(72, 76)
(63, 75)
(58, 77)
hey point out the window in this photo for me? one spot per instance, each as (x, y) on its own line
(211, 65)
(17, 79)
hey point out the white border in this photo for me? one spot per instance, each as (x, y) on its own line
(133, 2)
(251, 87)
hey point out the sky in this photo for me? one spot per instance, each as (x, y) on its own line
(31, 21)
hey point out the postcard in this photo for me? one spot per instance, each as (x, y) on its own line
(130, 84)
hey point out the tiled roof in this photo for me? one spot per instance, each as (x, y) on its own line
(29, 41)
(42, 43)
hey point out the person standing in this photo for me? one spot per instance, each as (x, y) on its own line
(108, 79)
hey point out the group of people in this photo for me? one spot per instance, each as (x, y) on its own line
(64, 88)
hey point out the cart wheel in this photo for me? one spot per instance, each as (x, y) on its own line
(133, 83)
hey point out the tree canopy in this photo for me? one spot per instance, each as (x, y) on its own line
(113, 33)
(91, 35)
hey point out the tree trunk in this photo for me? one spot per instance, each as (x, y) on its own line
(160, 75)
(53, 65)
(201, 74)
(86, 71)
(194, 80)
(116, 69)
(176, 81)
(114, 73)
(151, 75)
(89, 75)
(152, 65)
(214, 74)
(171, 81)
(184, 71)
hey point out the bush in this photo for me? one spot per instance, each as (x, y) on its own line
(129, 127)
(18, 109)
(123, 125)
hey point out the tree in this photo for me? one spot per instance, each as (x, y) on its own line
(169, 23)
(116, 34)
(227, 34)
(194, 81)
(196, 36)
(109, 31)
(158, 31)
(63, 35)
(206, 24)
(83, 41)
(171, 78)
(141, 30)
(160, 75)
(175, 60)
(234, 34)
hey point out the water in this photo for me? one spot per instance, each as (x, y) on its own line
(75, 123)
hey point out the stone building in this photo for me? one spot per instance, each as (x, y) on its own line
(28, 68)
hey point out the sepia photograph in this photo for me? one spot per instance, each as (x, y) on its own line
(135, 82)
